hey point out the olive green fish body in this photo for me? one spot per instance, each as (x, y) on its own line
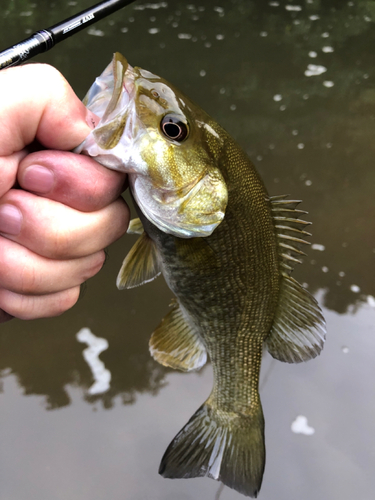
(228, 282)
(228, 287)
(226, 250)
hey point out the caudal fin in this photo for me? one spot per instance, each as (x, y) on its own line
(228, 447)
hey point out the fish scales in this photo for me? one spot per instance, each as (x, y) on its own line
(226, 251)
(228, 297)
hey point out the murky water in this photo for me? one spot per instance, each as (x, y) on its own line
(294, 84)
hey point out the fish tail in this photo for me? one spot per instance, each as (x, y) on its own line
(225, 446)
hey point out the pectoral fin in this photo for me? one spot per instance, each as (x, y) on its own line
(141, 265)
(176, 344)
(135, 227)
(298, 330)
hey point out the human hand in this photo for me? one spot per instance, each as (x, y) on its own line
(54, 229)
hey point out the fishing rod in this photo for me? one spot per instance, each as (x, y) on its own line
(45, 39)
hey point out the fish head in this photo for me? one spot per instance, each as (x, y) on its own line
(164, 142)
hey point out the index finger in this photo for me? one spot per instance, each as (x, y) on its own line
(37, 102)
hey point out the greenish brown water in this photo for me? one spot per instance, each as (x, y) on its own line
(244, 62)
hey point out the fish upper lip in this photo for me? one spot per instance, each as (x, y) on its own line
(129, 79)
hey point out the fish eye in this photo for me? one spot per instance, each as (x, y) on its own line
(173, 128)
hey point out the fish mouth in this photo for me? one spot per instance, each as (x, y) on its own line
(110, 98)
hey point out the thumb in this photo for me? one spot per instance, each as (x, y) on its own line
(38, 103)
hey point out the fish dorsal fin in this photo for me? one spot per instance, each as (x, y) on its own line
(135, 227)
(141, 265)
(176, 344)
(289, 231)
(298, 331)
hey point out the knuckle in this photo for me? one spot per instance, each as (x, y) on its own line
(98, 262)
(52, 76)
(65, 300)
(92, 266)
(28, 280)
(59, 243)
(27, 307)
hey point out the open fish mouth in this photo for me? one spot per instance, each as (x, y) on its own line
(111, 98)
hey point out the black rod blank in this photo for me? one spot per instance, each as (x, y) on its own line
(45, 39)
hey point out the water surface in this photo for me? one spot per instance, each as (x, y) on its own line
(310, 132)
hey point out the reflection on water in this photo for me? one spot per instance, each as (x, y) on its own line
(293, 82)
(300, 426)
(96, 345)
(86, 452)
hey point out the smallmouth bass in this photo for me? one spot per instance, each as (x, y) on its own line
(226, 250)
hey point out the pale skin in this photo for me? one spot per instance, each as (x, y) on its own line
(58, 210)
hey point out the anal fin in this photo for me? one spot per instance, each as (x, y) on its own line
(176, 344)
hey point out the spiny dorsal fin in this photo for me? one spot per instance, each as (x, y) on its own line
(176, 344)
(289, 230)
(298, 331)
(140, 266)
(135, 227)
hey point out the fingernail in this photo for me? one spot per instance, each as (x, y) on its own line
(10, 220)
(38, 179)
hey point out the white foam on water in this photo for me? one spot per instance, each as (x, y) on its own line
(317, 246)
(219, 10)
(95, 32)
(315, 70)
(96, 345)
(295, 8)
(300, 426)
(153, 6)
